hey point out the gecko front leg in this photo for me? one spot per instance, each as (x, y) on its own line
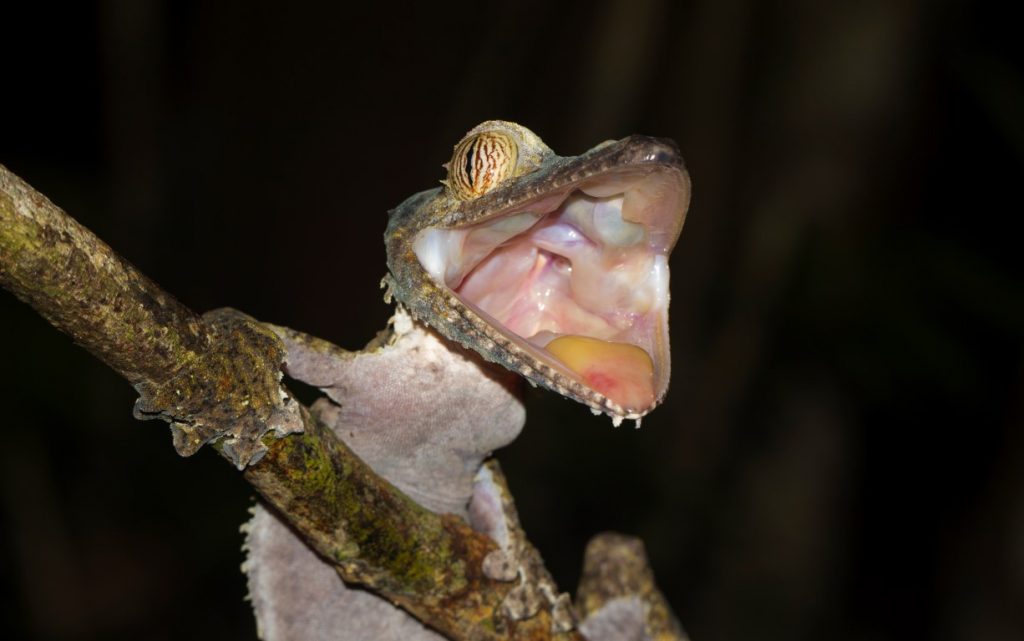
(492, 511)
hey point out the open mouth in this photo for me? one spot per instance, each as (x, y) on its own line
(577, 277)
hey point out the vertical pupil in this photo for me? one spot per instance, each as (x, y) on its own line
(469, 160)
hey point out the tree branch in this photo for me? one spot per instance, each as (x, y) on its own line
(617, 590)
(216, 379)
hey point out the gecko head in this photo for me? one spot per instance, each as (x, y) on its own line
(556, 268)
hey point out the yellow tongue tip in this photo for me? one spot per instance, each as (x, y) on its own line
(622, 372)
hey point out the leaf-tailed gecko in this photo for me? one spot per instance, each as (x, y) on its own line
(522, 263)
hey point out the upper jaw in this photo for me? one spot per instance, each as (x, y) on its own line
(642, 153)
(637, 160)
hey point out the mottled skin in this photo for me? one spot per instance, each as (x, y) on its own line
(539, 172)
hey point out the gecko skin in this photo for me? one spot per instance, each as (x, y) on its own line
(552, 268)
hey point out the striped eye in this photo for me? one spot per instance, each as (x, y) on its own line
(480, 163)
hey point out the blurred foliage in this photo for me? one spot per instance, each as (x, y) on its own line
(840, 454)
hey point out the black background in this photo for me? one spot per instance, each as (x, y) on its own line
(840, 453)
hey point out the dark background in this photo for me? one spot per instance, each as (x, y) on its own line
(840, 455)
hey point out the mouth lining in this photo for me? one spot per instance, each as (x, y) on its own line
(577, 277)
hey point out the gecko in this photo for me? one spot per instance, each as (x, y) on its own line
(521, 264)
(555, 268)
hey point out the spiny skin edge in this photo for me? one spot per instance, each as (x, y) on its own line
(439, 308)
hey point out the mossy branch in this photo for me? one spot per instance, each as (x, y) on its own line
(216, 379)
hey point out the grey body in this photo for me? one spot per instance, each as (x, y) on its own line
(423, 415)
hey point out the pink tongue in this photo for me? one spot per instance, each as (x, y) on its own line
(622, 372)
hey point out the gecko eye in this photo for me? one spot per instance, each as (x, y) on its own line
(480, 163)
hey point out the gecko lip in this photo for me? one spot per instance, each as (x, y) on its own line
(577, 276)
